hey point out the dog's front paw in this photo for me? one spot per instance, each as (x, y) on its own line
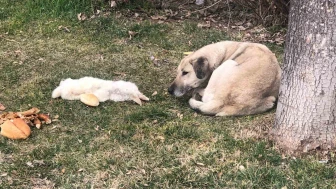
(195, 104)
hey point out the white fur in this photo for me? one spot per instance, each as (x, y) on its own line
(71, 89)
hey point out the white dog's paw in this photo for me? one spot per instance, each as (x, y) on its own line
(195, 104)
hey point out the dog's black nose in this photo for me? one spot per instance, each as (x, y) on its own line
(171, 90)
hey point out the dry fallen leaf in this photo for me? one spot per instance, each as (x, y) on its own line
(118, 14)
(30, 164)
(39, 162)
(241, 168)
(200, 164)
(132, 34)
(242, 28)
(179, 115)
(206, 25)
(81, 16)
(63, 28)
(158, 17)
(120, 73)
(2, 107)
(187, 53)
(37, 122)
(279, 40)
(32, 117)
(160, 137)
(247, 35)
(113, 4)
(199, 2)
(17, 53)
(239, 23)
(155, 61)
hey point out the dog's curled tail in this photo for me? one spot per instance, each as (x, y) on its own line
(56, 93)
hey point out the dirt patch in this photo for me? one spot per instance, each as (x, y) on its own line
(257, 128)
(38, 183)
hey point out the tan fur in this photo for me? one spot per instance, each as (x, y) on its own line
(233, 78)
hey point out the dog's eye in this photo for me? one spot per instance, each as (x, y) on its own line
(184, 73)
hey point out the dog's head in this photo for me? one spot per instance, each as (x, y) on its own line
(191, 73)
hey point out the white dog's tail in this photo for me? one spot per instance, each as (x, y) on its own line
(57, 92)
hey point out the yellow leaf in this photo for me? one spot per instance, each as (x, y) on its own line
(187, 53)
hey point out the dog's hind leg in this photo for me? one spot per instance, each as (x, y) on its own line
(231, 111)
(237, 110)
(265, 104)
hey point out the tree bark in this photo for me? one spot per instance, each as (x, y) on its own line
(306, 111)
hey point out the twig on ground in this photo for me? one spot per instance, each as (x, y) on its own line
(11, 40)
(228, 4)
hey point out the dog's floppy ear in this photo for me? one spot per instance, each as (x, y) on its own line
(201, 67)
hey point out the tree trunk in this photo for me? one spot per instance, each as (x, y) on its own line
(306, 111)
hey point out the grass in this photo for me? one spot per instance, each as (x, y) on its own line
(123, 145)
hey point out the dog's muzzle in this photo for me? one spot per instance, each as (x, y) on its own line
(171, 89)
(176, 91)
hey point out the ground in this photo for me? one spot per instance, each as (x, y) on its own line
(161, 144)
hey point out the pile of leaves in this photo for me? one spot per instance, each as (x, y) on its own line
(261, 12)
(32, 117)
(252, 20)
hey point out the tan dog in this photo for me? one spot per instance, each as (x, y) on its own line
(233, 78)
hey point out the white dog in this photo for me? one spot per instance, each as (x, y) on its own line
(71, 89)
